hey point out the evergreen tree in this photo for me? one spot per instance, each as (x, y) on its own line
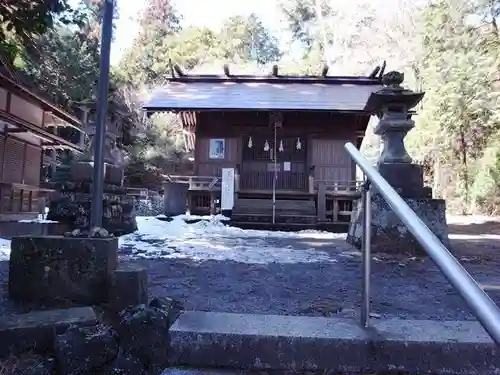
(23, 20)
(246, 39)
(460, 110)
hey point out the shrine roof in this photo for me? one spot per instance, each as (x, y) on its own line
(303, 93)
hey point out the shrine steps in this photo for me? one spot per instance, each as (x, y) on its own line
(287, 211)
(246, 343)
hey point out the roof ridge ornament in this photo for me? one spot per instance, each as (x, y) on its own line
(393, 79)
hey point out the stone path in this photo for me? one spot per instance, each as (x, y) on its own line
(405, 288)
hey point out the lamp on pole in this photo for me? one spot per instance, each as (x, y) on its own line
(96, 212)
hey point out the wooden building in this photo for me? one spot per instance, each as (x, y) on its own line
(28, 133)
(283, 135)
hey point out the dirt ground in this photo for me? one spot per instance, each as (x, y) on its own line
(401, 287)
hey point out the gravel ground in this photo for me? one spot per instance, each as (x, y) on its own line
(400, 288)
(404, 288)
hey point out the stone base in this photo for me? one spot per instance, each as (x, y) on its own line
(73, 209)
(389, 234)
(61, 271)
(174, 198)
(412, 185)
(84, 171)
(128, 287)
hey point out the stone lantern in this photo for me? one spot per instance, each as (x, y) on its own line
(392, 104)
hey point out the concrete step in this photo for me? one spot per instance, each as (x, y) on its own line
(293, 343)
(266, 225)
(329, 227)
(194, 371)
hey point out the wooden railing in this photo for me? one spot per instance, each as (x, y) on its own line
(336, 199)
(20, 198)
(208, 183)
(338, 186)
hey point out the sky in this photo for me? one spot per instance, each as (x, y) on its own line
(195, 12)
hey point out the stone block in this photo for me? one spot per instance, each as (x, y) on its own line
(411, 186)
(174, 198)
(128, 287)
(27, 364)
(85, 350)
(125, 364)
(36, 330)
(84, 171)
(390, 234)
(298, 344)
(57, 270)
(169, 306)
(143, 333)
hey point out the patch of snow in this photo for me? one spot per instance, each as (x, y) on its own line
(4, 249)
(217, 217)
(453, 236)
(212, 240)
(39, 221)
(470, 219)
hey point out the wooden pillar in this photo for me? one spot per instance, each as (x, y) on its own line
(213, 209)
(321, 201)
(237, 178)
(5, 137)
(311, 179)
(335, 215)
(189, 199)
(25, 152)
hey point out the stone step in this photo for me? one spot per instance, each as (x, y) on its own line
(287, 216)
(266, 204)
(35, 330)
(194, 371)
(293, 343)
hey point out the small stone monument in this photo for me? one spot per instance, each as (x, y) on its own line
(73, 182)
(392, 105)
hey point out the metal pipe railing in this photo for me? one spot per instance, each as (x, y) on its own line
(367, 253)
(485, 310)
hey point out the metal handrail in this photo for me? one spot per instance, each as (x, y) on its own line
(485, 310)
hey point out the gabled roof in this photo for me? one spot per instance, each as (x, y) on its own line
(305, 93)
(16, 84)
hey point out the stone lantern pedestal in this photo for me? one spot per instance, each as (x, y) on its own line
(73, 182)
(392, 105)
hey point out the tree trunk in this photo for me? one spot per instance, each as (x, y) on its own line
(436, 186)
(465, 170)
(321, 21)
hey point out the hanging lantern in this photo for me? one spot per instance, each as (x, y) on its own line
(250, 144)
(298, 145)
(281, 146)
(266, 146)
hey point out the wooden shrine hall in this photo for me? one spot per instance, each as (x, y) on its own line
(282, 136)
(28, 135)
